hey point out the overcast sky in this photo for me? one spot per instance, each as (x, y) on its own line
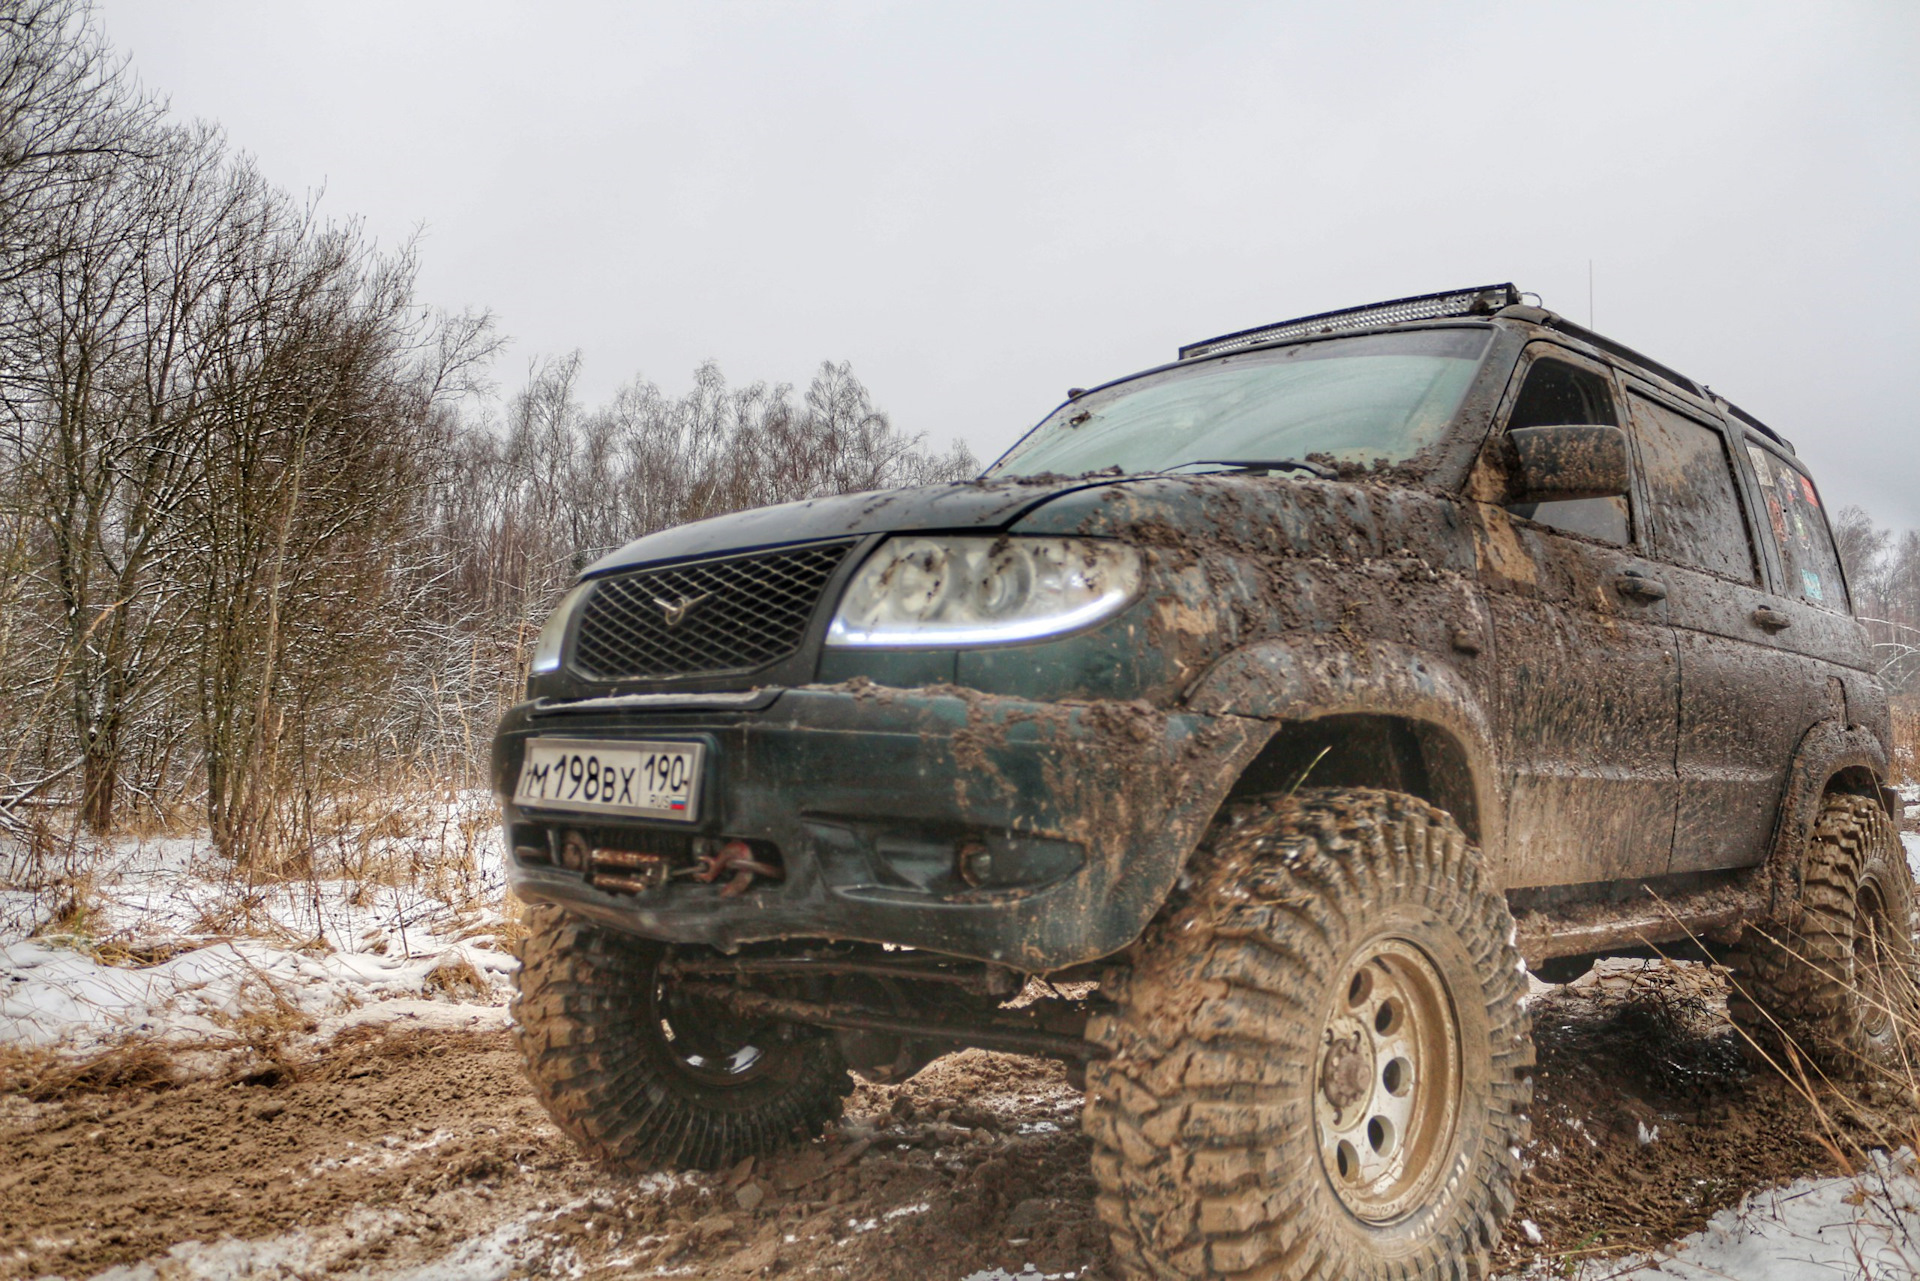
(980, 204)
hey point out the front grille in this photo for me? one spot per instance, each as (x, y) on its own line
(741, 613)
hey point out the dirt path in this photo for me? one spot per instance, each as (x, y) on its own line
(422, 1154)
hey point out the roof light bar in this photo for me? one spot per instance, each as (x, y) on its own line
(1483, 301)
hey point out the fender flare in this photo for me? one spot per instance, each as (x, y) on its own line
(1287, 680)
(1825, 750)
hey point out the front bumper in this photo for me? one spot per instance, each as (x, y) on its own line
(1087, 810)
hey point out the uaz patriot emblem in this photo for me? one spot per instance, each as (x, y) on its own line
(676, 611)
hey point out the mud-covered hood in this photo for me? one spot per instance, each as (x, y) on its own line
(972, 505)
(1265, 515)
(1284, 515)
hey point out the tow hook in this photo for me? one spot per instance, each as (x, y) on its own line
(735, 857)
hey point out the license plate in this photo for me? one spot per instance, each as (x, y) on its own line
(639, 780)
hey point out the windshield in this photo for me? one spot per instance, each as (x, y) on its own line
(1367, 400)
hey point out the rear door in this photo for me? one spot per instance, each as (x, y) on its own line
(1739, 693)
(1820, 637)
(1589, 694)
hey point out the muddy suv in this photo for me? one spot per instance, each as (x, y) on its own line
(1242, 737)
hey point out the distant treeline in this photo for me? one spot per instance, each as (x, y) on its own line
(267, 535)
(1883, 573)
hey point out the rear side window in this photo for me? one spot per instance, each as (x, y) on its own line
(1799, 530)
(1557, 394)
(1693, 508)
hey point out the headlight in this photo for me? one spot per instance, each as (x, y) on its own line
(983, 591)
(549, 649)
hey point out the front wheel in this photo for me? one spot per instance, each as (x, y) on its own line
(641, 1076)
(1321, 1061)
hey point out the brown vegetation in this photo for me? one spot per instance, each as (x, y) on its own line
(266, 539)
(1906, 739)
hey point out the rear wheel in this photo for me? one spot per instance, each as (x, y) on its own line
(642, 1076)
(1837, 981)
(1320, 1063)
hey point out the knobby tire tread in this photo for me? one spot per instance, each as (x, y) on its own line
(1198, 1116)
(581, 1021)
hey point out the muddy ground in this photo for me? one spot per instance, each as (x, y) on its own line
(398, 1152)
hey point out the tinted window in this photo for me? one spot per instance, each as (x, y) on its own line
(1557, 394)
(1694, 510)
(1360, 400)
(1799, 530)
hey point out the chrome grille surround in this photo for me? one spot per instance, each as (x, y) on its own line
(718, 617)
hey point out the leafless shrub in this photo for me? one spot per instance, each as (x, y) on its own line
(269, 549)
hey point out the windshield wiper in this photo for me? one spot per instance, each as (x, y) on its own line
(1320, 470)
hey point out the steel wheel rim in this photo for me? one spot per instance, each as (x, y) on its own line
(1387, 1081)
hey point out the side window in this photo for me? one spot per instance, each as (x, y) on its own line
(1693, 507)
(1799, 530)
(1559, 394)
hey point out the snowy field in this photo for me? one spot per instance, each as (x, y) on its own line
(169, 949)
(173, 948)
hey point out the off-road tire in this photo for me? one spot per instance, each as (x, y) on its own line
(1836, 979)
(589, 1029)
(1208, 1155)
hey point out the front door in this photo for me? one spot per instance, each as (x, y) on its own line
(1589, 687)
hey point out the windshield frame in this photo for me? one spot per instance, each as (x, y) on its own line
(1442, 461)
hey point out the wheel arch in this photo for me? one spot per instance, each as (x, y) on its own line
(1380, 715)
(1832, 757)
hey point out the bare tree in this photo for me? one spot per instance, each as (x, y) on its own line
(66, 107)
(264, 528)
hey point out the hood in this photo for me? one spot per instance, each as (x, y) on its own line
(1267, 516)
(970, 505)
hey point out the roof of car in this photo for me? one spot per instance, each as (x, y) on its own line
(1502, 301)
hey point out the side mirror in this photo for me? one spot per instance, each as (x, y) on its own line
(1554, 464)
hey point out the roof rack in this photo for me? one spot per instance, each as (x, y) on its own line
(1761, 427)
(1626, 353)
(1483, 301)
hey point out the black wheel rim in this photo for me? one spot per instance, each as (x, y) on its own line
(703, 1043)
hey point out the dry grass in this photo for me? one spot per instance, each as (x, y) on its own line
(457, 977)
(1906, 739)
(43, 1076)
(1876, 1107)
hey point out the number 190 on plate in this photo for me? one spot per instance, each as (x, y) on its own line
(594, 776)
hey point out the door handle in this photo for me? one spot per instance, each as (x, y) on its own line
(1640, 587)
(1771, 619)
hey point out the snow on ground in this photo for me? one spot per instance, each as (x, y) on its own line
(1910, 796)
(506, 1251)
(171, 945)
(1865, 1228)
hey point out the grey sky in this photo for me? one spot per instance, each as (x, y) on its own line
(980, 205)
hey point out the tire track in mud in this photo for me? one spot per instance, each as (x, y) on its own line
(423, 1154)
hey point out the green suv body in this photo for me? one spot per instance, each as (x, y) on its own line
(843, 774)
